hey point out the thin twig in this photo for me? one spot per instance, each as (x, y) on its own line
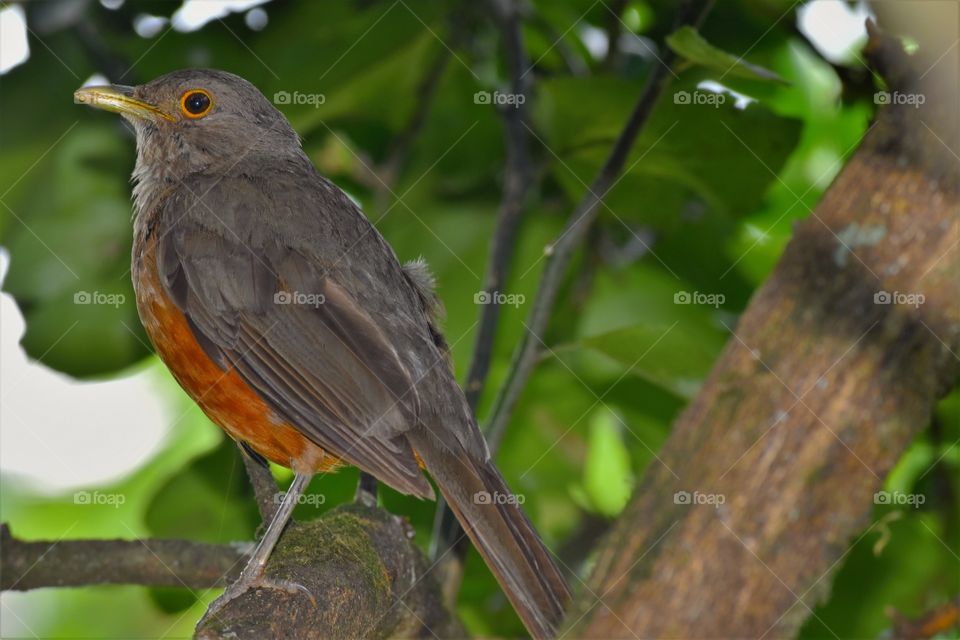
(561, 251)
(614, 30)
(518, 181)
(264, 484)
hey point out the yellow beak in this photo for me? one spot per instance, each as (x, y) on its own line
(118, 99)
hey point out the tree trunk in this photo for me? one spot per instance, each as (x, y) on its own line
(832, 370)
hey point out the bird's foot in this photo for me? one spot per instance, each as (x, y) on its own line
(247, 582)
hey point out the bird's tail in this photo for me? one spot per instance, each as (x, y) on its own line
(490, 514)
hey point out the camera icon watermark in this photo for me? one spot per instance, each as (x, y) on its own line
(499, 298)
(99, 298)
(499, 98)
(899, 498)
(698, 498)
(696, 97)
(485, 497)
(98, 498)
(299, 298)
(897, 297)
(896, 97)
(312, 99)
(696, 297)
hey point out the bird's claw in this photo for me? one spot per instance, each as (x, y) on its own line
(246, 583)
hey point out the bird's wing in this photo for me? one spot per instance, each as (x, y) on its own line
(295, 334)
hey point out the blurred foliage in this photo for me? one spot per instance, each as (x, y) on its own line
(713, 187)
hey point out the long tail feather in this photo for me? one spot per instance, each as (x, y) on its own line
(490, 514)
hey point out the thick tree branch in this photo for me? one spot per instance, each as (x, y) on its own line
(561, 251)
(835, 366)
(77, 563)
(359, 563)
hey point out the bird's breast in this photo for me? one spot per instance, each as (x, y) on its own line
(222, 394)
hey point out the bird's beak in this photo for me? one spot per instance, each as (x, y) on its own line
(119, 99)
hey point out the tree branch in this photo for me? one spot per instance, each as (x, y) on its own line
(561, 251)
(78, 563)
(368, 578)
(771, 471)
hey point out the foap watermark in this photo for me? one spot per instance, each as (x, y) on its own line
(688, 498)
(312, 99)
(899, 498)
(312, 499)
(299, 298)
(696, 297)
(899, 297)
(485, 497)
(500, 298)
(896, 97)
(499, 98)
(98, 498)
(699, 97)
(99, 298)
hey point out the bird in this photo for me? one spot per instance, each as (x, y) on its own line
(288, 318)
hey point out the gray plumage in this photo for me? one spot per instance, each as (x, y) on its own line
(283, 278)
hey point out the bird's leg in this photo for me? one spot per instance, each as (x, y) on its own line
(252, 576)
(366, 490)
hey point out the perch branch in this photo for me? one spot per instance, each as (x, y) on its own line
(368, 578)
(76, 563)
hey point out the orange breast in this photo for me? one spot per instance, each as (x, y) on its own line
(223, 395)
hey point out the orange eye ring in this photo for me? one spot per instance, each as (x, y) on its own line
(195, 103)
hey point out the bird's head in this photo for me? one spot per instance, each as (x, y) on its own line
(196, 120)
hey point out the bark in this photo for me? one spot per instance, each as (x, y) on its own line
(815, 397)
(359, 563)
(368, 579)
(77, 563)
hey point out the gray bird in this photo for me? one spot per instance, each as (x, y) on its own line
(287, 317)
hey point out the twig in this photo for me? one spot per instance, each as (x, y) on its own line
(614, 30)
(518, 181)
(561, 251)
(264, 484)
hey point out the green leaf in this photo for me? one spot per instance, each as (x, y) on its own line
(70, 255)
(607, 480)
(691, 45)
(676, 356)
(215, 483)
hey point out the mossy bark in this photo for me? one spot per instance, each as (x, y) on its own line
(368, 579)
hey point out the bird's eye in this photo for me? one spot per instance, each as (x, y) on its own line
(196, 103)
